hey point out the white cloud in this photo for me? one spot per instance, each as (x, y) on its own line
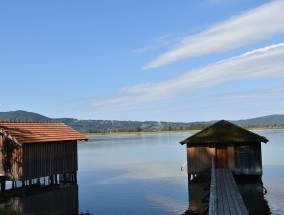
(250, 27)
(164, 41)
(249, 95)
(261, 63)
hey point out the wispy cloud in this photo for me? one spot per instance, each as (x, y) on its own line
(164, 41)
(250, 27)
(260, 63)
(248, 95)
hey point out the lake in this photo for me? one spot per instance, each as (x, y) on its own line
(141, 174)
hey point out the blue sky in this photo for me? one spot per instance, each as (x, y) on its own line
(143, 60)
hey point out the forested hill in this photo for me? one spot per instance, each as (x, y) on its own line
(272, 121)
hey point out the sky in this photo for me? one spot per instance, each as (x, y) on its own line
(179, 61)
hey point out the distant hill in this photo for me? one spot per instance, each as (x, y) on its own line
(272, 121)
(20, 115)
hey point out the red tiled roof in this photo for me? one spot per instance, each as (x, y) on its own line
(30, 132)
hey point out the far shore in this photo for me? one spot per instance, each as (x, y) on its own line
(174, 131)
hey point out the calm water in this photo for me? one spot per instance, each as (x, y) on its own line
(140, 174)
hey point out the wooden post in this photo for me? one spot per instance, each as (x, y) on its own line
(56, 181)
(3, 183)
(51, 179)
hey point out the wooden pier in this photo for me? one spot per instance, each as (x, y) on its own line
(225, 197)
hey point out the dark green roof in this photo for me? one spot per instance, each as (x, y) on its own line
(224, 132)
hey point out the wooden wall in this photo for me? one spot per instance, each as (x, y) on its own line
(231, 156)
(46, 159)
(199, 159)
(35, 160)
(248, 159)
(11, 159)
(242, 159)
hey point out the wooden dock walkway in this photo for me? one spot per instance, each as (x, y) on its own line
(225, 197)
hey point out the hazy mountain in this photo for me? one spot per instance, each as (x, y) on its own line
(272, 121)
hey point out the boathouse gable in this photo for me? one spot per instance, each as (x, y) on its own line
(233, 147)
(30, 150)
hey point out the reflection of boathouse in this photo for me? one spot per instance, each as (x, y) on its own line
(43, 200)
(30, 150)
(234, 148)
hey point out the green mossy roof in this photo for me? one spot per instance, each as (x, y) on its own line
(224, 132)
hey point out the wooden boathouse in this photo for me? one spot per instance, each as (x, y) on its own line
(233, 147)
(31, 150)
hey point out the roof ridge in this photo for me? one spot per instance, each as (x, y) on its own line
(17, 121)
(224, 131)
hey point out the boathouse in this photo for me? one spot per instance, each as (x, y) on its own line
(233, 147)
(30, 150)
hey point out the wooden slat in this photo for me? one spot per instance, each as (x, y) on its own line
(229, 199)
(225, 197)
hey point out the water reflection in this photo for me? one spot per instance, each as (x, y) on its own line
(197, 201)
(43, 200)
(140, 174)
(253, 194)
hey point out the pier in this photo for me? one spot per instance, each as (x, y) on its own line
(225, 197)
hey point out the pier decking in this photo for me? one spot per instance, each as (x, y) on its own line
(225, 197)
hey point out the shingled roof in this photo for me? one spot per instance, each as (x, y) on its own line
(224, 132)
(30, 132)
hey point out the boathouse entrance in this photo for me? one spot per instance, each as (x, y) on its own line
(221, 158)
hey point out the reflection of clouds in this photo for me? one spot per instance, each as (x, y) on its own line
(167, 203)
(275, 195)
(140, 171)
(138, 157)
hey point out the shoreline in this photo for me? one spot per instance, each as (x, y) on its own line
(140, 132)
(157, 132)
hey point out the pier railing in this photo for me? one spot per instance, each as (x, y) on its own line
(213, 194)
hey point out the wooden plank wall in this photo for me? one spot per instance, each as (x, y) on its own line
(231, 156)
(11, 159)
(249, 163)
(199, 159)
(46, 159)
